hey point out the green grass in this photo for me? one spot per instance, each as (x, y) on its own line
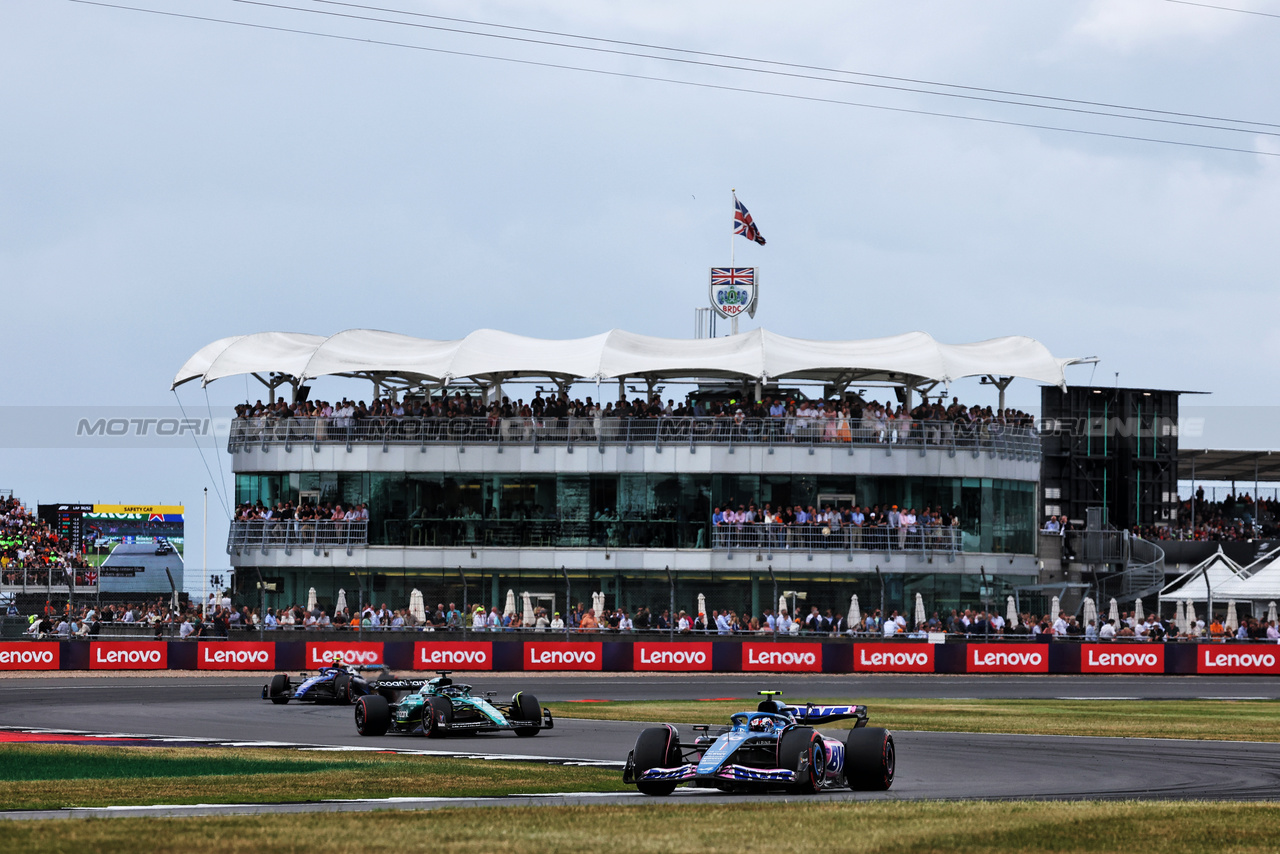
(903, 827)
(1235, 720)
(37, 776)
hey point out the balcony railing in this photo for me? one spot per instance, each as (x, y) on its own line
(925, 541)
(289, 534)
(992, 438)
(37, 579)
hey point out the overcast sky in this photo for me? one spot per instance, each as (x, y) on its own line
(168, 181)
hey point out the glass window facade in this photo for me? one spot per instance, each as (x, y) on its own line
(748, 592)
(632, 510)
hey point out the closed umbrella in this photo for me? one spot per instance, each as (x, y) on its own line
(1190, 615)
(1138, 614)
(597, 603)
(855, 611)
(920, 618)
(1114, 614)
(311, 600)
(1232, 623)
(529, 618)
(1054, 607)
(1180, 615)
(1011, 614)
(417, 607)
(1090, 611)
(509, 609)
(341, 604)
(1271, 612)
(702, 604)
(782, 604)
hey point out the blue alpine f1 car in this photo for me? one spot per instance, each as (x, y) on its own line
(338, 683)
(773, 748)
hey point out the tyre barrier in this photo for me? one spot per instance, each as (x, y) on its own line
(763, 656)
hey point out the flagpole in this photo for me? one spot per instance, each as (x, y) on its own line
(733, 244)
(733, 232)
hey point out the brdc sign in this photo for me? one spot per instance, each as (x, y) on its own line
(128, 655)
(30, 656)
(676, 657)
(453, 656)
(782, 657)
(236, 655)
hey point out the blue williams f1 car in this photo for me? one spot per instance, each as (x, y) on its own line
(773, 748)
(338, 683)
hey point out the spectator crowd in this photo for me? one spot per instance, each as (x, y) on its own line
(837, 420)
(30, 549)
(1236, 517)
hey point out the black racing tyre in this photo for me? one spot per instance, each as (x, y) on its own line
(279, 690)
(800, 750)
(437, 710)
(869, 759)
(657, 747)
(524, 707)
(342, 689)
(373, 715)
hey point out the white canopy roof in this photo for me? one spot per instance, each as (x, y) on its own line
(1210, 575)
(1262, 585)
(487, 354)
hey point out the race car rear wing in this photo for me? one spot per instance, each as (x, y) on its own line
(811, 714)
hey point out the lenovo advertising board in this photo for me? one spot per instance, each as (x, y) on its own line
(1006, 658)
(1247, 659)
(893, 657)
(677, 657)
(563, 655)
(782, 657)
(236, 655)
(128, 655)
(30, 656)
(1122, 658)
(320, 654)
(437, 655)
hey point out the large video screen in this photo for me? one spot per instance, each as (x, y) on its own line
(136, 548)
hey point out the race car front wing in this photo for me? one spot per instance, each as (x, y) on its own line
(736, 773)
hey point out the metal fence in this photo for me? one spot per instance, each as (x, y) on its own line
(820, 538)
(38, 579)
(992, 438)
(289, 534)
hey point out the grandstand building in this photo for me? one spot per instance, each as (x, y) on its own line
(468, 502)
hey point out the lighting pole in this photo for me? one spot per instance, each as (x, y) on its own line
(204, 547)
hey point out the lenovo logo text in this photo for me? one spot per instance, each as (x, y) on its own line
(559, 656)
(27, 657)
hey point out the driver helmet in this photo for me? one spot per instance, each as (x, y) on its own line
(762, 723)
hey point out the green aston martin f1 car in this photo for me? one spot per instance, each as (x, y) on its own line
(441, 707)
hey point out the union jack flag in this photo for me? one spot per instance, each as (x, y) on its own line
(743, 224)
(743, 276)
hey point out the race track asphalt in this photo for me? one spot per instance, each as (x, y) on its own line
(931, 765)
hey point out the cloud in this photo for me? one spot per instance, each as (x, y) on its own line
(1128, 26)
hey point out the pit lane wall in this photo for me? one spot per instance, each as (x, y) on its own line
(657, 655)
